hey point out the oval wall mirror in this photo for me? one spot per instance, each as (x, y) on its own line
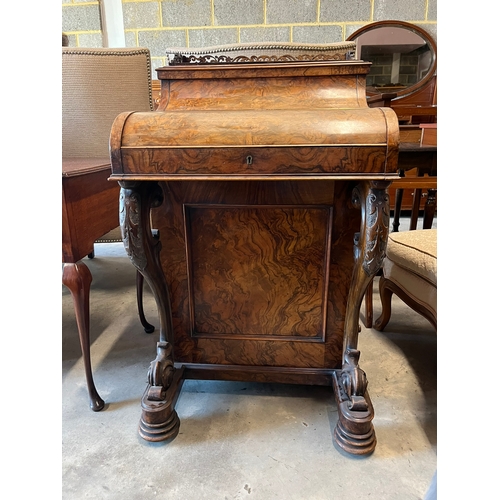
(403, 56)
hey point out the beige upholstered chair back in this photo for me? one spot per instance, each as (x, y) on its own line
(98, 85)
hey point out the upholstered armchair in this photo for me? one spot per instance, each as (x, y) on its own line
(410, 272)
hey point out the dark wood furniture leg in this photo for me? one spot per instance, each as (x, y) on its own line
(397, 209)
(386, 300)
(369, 305)
(387, 289)
(354, 432)
(417, 195)
(77, 277)
(398, 202)
(430, 208)
(139, 285)
(159, 419)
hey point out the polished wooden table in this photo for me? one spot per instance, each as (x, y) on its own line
(267, 183)
(89, 210)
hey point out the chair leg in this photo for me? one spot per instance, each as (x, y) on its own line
(77, 277)
(369, 305)
(139, 281)
(415, 209)
(386, 299)
(397, 210)
(429, 209)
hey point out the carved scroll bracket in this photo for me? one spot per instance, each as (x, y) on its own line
(370, 244)
(136, 201)
(354, 431)
(161, 372)
(159, 419)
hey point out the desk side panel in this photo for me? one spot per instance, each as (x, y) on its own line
(293, 239)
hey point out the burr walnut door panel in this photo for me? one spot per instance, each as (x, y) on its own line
(258, 272)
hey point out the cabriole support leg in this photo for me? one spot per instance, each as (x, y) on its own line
(159, 419)
(354, 432)
(77, 278)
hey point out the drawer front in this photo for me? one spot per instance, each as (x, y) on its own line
(258, 161)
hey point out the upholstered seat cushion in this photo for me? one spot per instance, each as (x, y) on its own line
(415, 251)
(411, 263)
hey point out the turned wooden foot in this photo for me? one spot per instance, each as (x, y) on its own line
(159, 420)
(77, 277)
(354, 432)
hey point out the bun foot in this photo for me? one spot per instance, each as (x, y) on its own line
(162, 431)
(159, 420)
(353, 442)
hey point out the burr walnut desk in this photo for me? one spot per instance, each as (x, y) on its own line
(89, 210)
(267, 181)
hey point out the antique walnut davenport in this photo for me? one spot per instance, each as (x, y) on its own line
(266, 174)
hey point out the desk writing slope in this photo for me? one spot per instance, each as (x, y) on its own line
(267, 182)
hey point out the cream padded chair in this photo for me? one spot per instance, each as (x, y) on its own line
(97, 85)
(410, 271)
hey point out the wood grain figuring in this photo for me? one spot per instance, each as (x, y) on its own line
(161, 164)
(249, 172)
(322, 260)
(243, 258)
(230, 72)
(258, 120)
(255, 93)
(214, 128)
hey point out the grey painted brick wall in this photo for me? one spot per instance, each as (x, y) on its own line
(317, 34)
(345, 10)
(160, 24)
(158, 41)
(187, 13)
(402, 10)
(291, 11)
(277, 34)
(206, 38)
(432, 10)
(238, 12)
(141, 15)
(81, 18)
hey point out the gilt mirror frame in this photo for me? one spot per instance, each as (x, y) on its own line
(416, 30)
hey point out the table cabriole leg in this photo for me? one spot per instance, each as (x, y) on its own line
(77, 278)
(354, 431)
(159, 419)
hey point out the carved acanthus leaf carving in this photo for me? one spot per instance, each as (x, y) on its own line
(377, 213)
(130, 221)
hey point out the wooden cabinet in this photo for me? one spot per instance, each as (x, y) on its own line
(267, 184)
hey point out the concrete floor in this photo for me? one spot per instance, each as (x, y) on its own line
(238, 440)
